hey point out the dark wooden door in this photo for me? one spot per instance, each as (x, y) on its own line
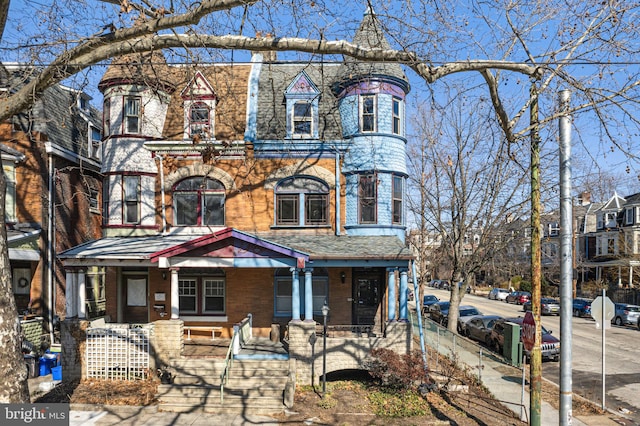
(367, 295)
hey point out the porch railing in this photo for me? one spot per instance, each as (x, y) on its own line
(242, 333)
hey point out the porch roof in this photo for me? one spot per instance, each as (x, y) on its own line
(243, 250)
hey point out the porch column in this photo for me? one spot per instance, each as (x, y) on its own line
(391, 290)
(404, 286)
(70, 294)
(175, 295)
(82, 294)
(308, 294)
(630, 276)
(295, 295)
(619, 276)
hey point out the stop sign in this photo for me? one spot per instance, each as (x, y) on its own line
(528, 331)
(602, 305)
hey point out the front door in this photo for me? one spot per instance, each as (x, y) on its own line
(135, 300)
(367, 295)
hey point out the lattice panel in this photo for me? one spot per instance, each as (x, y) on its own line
(118, 353)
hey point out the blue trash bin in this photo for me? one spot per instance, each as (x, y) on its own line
(44, 366)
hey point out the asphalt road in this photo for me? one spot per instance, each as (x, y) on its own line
(622, 363)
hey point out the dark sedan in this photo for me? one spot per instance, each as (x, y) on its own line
(427, 301)
(479, 328)
(548, 306)
(439, 311)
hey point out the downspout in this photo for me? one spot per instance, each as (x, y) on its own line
(337, 192)
(164, 214)
(50, 234)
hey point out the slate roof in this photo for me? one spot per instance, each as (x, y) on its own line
(273, 82)
(56, 113)
(370, 35)
(146, 67)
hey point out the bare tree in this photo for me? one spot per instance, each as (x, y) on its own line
(464, 186)
(588, 47)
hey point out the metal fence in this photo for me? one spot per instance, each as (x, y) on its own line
(118, 352)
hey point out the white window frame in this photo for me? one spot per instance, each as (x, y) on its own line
(213, 285)
(10, 203)
(396, 115)
(629, 214)
(303, 119)
(200, 126)
(95, 144)
(190, 284)
(363, 113)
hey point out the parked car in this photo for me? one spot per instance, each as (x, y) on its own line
(479, 328)
(626, 314)
(465, 313)
(518, 297)
(427, 301)
(548, 306)
(550, 346)
(438, 311)
(498, 294)
(581, 307)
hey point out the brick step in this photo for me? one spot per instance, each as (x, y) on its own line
(251, 407)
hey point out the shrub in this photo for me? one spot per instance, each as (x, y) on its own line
(396, 371)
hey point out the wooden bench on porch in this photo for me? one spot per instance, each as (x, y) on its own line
(212, 328)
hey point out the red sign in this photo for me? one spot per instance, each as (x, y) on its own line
(528, 331)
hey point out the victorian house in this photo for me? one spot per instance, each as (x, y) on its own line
(51, 157)
(264, 190)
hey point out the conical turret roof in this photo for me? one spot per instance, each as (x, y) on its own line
(145, 68)
(370, 35)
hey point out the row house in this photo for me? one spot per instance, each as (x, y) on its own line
(268, 188)
(51, 162)
(609, 242)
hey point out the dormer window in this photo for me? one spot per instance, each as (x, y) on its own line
(302, 119)
(302, 97)
(132, 115)
(368, 113)
(199, 109)
(199, 120)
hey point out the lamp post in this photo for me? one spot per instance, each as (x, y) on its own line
(325, 312)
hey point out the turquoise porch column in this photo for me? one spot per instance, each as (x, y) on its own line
(308, 294)
(404, 286)
(391, 286)
(295, 295)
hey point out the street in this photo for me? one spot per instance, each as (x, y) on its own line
(622, 382)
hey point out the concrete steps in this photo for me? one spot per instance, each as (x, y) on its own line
(253, 387)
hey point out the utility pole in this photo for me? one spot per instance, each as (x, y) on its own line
(535, 369)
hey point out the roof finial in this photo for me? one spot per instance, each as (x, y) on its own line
(369, 10)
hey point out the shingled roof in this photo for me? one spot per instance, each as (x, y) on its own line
(149, 68)
(370, 35)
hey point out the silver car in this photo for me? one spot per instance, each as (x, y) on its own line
(626, 314)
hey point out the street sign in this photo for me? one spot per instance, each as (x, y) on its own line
(599, 306)
(528, 331)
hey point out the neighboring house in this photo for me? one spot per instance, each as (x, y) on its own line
(612, 250)
(51, 161)
(268, 188)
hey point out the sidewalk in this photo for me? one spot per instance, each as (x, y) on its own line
(150, 416)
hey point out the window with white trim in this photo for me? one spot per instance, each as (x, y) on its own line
(302, 201)
(283, 285)
(628, 216)
(132, 115)
(302, 119)
(199, 201)
(200, 120)
(95, 144)
(9, 170)
(204, 293)
(368, 113)
(396, 116)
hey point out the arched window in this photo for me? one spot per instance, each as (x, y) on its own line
(302, 201)
(199, 201)
(282, 286)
